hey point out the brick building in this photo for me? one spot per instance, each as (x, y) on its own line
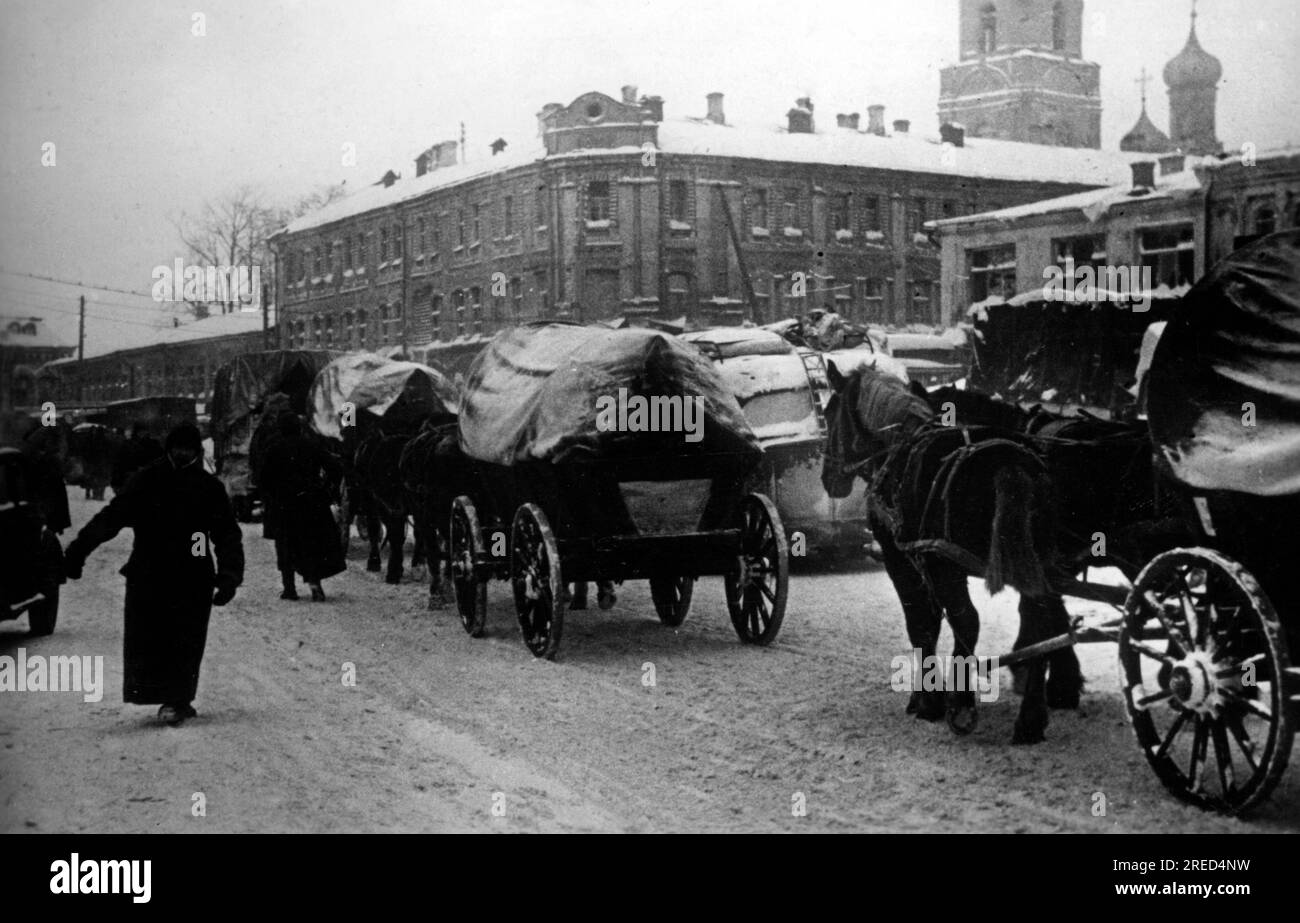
(621, 211)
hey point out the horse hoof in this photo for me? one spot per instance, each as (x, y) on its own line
(927, 706)
(606, 600)
(393, 579)
(373, 567)
(1028, 733)
(962, 719)
(1062, 698)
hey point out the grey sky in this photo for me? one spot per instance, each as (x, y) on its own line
(149, 120)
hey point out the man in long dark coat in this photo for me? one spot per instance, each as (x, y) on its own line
(138, 451)
(297, 508)
(180, 515)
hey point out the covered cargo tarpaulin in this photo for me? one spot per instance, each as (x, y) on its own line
(1069, 352)
(1224, 386)
(404, 392)
(332, 386)
(241, 388)
(537, 391)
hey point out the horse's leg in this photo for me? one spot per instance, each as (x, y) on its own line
(578, 598)
(1033, 717)
(396, 529)
(921, 618)
(1064, 677)
(437, 555)
(964, 620)
(374, 533)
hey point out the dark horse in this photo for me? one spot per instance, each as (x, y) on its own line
(948, 501)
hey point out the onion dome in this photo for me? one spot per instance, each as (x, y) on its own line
(1146, 138)
(1193, 66)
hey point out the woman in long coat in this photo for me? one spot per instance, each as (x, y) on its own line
(180, 515)
(297, 508)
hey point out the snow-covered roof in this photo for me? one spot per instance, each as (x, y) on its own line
(140, 335)
(979, 158)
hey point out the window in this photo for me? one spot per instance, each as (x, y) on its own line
(992, 273)
(347, 328)
(871, 214)
(383, 245)
(435, 316)
(790, 208)
(873, 299)
(1265, 220)
(1058, 26)
(841, 209)
(458, 303)
(363, 332)
(1170, 252)
(1081, 251)
(361, 252)
(421, 239)
(517, 298)
(437, 238)
(329, 331)
(920, 289)
(476, 304)
(721, 281)
(347, 252)
(397, 242)
(318, 261)
(917, 215)
(949, 208)
(679, 292)
(678, 201)
(539, 206)
(988, 29)
(598, 201)
(460, 227)
(508, 216)
(543, 293)
(478, 222)
(758, 208)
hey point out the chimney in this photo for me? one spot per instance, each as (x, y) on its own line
(629, 94)
(951, 133)
(654, 105)
(876, 119)
(715, 109)
(546, 112)
(498, 146)
(902, 126)
(800, 118)
(1172, 163)
(849, 120)
(1144, 176)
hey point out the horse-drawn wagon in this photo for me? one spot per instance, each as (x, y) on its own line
(592, 454)
(1198, 513)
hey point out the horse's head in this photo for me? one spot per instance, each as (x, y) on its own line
(868, 412)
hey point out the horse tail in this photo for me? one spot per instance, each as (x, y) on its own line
(1013, 560)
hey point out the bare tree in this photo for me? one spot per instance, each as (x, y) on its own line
(233, 230)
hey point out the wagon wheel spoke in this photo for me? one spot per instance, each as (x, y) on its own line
(1223, 756)
(1147, 650)
(1157, 608)
(1172, 734)
(1244, 743)
(1198, 753)
(1155, 698)
(1195, 620)
(1249, 705)
(766, 591)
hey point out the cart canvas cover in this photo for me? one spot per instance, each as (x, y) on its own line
(1233, 350)
(533, 394)
(244, 384)
(372, 383)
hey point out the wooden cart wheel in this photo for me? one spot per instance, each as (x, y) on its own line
(756, 588)
(538, 584)
(464, 549)
(672, 598)
(1207, 679)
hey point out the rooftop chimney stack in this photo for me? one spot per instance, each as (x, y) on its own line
(952, 133)
(629, 94)
(1173, 163)
(544, 114)
(902, 126)
(847, 120)
(800, 118)
(1144, 176)
(715, 109)
(876, 120)
(655, 106)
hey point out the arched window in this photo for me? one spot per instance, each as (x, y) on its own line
(320, 331)
(1058, 26)
(329, 330)
(988, 29)
(458, 306)
(347, 328)
(363, 333)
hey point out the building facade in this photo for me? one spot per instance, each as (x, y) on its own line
(1177, 217)
(182, 363)
(1021, 74)
(623, 212)
(26, 344)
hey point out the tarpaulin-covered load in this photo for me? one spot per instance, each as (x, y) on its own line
(1081, 352)
(386, 388)
(537, 393)
(1224, 385)
(241, 388)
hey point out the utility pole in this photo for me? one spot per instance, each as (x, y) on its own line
(81, 347)
(266, 317)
